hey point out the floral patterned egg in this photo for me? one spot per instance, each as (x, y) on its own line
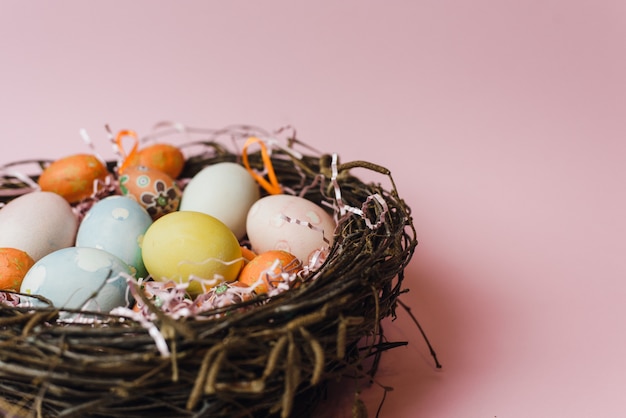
(157, 192)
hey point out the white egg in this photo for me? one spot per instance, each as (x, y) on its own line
(38, 223)
(225, 191)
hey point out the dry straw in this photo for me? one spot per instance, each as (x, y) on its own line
(273, 358)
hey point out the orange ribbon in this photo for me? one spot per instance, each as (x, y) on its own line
(126, 158)
(272, 187)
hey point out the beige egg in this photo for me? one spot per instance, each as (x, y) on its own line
(38, 223)
(290, 223)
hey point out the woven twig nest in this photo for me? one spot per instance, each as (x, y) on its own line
(272, 358)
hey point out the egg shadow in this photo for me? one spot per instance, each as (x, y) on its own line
(408, 374)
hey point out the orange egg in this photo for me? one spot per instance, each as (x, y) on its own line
(73, 177)
(267, 270)
(152, 189)
(14, 264)
(164, 157)
(247, 254)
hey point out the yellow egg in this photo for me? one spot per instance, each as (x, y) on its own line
(268, 269)
(185, 244)
(73, 177)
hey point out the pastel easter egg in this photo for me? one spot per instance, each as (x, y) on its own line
(186, 244)
(290, 223)
(224, 190)
(116, 224)
(157, 192)
(73, 177)
(79, 278)
(38, 223)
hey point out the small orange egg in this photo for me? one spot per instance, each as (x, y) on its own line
(164, 157)
(247, 254)
(14, 264)
(152, 189)
(267, 270)
(73, 177)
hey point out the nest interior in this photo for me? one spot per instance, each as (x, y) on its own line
(271, 360)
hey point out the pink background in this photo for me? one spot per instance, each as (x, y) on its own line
(503, 123)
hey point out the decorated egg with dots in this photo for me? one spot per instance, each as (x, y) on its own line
(292, 224)
(157, 192)
(73, 177)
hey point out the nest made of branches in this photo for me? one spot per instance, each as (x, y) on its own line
(272, 358)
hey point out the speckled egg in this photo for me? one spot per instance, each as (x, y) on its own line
(70, 278)
(269, 270)
(290, 223)
(14, 264)
(157, 192)
(38, 223)
(163, 157)
(116, 224)
(73, 177)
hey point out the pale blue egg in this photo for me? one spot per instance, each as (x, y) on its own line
(79, 278)
(117, 225)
